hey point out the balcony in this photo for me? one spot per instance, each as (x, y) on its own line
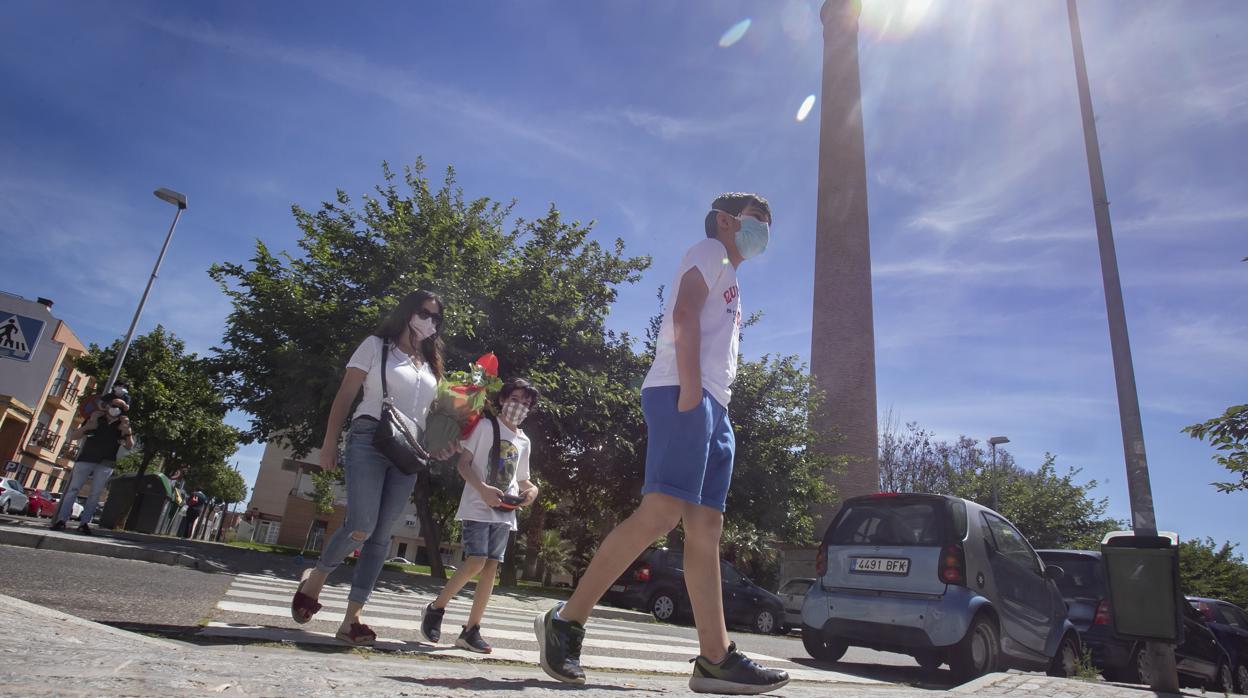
(44, 438)
(69, 452)
(63, 394)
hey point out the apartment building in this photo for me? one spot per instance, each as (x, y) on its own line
(39, 392)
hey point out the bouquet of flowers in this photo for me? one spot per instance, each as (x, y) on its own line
(461, 399)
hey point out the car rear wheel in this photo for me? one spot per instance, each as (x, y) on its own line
(929, 660)
(765, 622)
(1223, 681)
(1140, 668)
(1241, 677)
(822, 646)
(663, 606)
(976, 654)
(1066, 661)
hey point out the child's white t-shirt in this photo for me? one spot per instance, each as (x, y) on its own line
(506, 474)
(720, 323)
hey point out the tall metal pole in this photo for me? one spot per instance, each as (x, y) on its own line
(125, 345)
(1143, 516)
(994, 476)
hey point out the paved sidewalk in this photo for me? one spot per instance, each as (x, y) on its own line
(46, 652)
(207, 556)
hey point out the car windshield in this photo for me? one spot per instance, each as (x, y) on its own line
(889, 521)
(1082, 576)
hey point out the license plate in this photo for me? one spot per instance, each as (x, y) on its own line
(881, 565)
(617, 587)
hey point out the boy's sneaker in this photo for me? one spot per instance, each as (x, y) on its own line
(559, 642)
(471, 640)
(431, 624)
(736, 674)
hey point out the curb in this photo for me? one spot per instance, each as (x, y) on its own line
(981, 683)
(102, 547)
(95, 628)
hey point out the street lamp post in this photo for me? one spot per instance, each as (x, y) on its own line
(179, 200)
(993, 441)
(1139, 487)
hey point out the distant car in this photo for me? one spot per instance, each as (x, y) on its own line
(39, 503)
(792, 593)
(399, 561)
(942, 579)
(1229, 624)
(655, 582)
(74, 513)
(12, 496)
(1200, 660)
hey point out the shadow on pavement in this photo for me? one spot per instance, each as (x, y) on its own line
(915, 677)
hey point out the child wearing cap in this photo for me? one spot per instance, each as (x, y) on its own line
(494, 464)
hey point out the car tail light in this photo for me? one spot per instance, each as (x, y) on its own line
(1102, 613)
(952, 565)
(643, 572)
(821, 561)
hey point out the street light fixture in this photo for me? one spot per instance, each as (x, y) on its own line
(993, 441)
(177, 199)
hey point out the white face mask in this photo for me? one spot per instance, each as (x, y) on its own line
(422, 328)
(114, 411)
(119, 392)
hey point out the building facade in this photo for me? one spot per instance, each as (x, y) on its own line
(281, 510)
(39, 392)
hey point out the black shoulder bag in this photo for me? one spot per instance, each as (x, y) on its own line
(397, 436)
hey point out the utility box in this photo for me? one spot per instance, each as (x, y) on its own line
(151, 494)
(1144, 596)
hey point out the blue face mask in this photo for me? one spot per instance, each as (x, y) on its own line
(752, 237)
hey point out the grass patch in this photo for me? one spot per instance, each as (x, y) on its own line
(270, 548)
(1085, 670)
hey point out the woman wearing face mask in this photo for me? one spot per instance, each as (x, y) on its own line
(377, 491)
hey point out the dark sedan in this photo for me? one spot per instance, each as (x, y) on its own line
(1229, 624)
(655, 582)
(1201, 661)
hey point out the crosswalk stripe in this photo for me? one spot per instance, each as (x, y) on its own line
(453, 615)
(589, 661)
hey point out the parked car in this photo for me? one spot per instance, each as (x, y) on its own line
(1199, 658)
(39, 503)
(792, 593)
(942, 579)
(399, 561)
(12, 496)
(1229, 624)
(655, 582)
(75, 512)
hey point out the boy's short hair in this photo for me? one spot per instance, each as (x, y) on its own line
(515, 384)
(733, 203)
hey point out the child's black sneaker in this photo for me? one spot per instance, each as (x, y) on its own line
(431, 623)
(471, 640)
(736, 674)
(559, 642)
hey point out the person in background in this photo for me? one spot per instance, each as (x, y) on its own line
(106, 431)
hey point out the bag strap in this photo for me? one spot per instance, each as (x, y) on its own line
(497, 447)
(385, 352)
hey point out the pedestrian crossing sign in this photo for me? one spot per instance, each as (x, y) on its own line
(19, 336)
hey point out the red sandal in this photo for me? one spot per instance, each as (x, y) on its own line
(360, 636)
(302, 606)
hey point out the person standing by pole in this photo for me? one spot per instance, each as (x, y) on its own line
(108, 431)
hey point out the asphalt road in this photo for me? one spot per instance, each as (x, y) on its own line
(174, 600)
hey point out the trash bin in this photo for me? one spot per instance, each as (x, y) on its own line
(151, 494)
(1143, 578)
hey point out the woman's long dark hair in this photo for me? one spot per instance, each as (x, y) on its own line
(395, 324)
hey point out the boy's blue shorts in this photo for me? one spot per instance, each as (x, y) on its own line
(688, 454)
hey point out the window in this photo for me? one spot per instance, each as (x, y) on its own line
(729, 573)
(1011, 544)
(1228, 614)
(891, 521)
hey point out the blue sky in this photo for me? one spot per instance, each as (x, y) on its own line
(988, 305)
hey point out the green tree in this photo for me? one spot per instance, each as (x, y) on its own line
(537, 293)
(554, 556)
(176, 412)
(776, 478)
(322, 498)
(1206, 569)
(220, 482)
(1228, 434)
